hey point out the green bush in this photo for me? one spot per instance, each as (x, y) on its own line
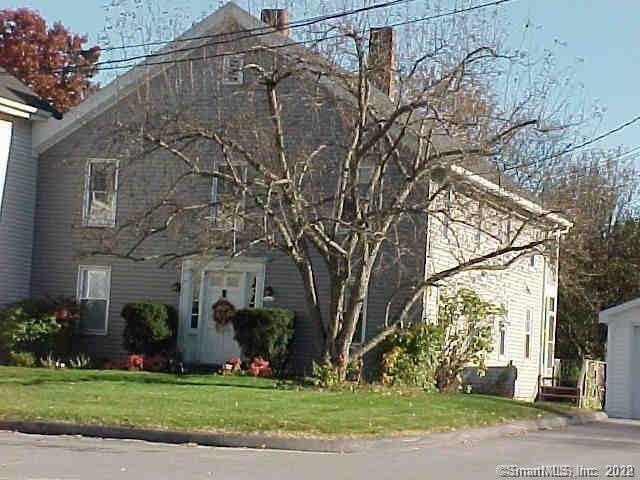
(22, 359)
(150, 327)
(32, 326)
(410, 357)
(434, 355)
(264, 332)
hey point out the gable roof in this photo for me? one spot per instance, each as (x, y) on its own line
(478, 172)
(19, 100)
(614, 313)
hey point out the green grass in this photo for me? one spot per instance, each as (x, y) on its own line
(239, 404)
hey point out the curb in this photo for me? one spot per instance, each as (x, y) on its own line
(327, 445)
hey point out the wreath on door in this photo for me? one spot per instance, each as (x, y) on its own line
(223, 313)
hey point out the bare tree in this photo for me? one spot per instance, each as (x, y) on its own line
(311, 159)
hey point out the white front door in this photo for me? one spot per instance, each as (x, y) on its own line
(217, 344)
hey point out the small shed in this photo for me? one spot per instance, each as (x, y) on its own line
(623, 359)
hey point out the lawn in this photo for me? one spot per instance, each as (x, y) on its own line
(238, 404)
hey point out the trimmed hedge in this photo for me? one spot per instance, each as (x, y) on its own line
(150, 327)
(265, 333)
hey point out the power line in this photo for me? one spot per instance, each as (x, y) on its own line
(110, 63)
(267, 29)
(572, 149)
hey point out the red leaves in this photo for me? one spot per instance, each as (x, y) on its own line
(51, 61)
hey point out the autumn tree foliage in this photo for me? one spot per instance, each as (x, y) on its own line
(51, 60)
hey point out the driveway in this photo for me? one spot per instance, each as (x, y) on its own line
(594, 446)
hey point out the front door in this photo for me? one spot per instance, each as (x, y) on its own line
(217, 344)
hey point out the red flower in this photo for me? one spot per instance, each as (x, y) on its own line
(135, 362)
(260, 368)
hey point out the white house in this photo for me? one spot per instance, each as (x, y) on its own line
(623, 359)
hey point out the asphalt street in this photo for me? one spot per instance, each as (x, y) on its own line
(593, 447)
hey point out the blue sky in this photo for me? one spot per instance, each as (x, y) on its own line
(597, 39)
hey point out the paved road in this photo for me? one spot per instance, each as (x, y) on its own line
(37, 457)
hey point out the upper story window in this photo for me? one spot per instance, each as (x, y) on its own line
(506, 238)
(480, 225)
(527, 334)
(446, 217)
(228, 197)
(233, 69)
(94, 284)
(5, 145)
(100, 193)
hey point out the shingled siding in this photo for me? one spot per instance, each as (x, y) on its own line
(16, 222)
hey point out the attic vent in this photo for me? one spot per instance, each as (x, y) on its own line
(233, 69)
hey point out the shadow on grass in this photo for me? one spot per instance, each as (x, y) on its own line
(141, 379)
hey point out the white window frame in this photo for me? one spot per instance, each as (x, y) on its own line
(502, 328)
(79, 287)
(446, 217)
(528, 323)
(6, 130)
(478, 239)
(86, 220)
(226, 69)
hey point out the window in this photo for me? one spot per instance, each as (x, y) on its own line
(101, 188)
(94, 284)
(233, 69)
(365, 173)
(507, 232)
(5, 145)
(527, 335)
(532, 261)
(448, 200)
(502, 341)
(480, 225)
(228, 198)
(195, 306)
(551, 330)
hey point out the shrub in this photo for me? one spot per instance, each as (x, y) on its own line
(410, 357)
(264, 333)
(325, 376)
(148, 329)
(464, 334)
(156, 363)
(22, 359)
(34, 326)
(434, 355)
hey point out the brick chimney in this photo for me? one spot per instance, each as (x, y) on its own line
(277, 18)
(382, 59)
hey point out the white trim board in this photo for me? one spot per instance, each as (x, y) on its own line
(6, 129)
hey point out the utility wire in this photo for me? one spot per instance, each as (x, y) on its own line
(109, 64)
(266, 29)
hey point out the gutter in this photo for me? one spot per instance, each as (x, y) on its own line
(22, 110)
(501, 192)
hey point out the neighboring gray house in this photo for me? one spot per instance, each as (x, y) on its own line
(92, 180)
(20, 109)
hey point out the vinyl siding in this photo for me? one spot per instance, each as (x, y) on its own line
(519, 287)
(620, 368)
(16, 223)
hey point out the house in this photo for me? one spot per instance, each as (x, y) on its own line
(20, 110)
(623, 359)
(98, 176)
